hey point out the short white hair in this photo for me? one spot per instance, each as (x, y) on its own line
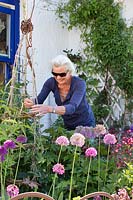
(64, 60)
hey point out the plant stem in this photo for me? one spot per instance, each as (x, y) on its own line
(17, 165)
(59, 154)
(88, 175)
(2, 186)
(99, 163)
(107, 164)
(5, 170)
(71, 181)
(55, 176)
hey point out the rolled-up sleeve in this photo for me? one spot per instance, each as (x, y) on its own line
(77, 96)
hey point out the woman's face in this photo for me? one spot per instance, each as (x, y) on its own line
(61, 75)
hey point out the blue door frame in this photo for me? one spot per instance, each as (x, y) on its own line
(14, 33)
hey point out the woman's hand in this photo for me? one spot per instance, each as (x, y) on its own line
(41, 109)
(28, 103)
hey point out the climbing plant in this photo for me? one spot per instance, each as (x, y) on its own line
(108, 45)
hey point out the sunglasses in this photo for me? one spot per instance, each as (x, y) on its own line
(59, 74)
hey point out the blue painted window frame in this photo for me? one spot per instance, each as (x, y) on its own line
(14, 33)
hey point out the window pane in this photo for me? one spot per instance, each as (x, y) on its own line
(2, 73)
(4, 34)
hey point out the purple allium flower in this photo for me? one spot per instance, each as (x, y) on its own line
(12, 190)
(97, 198)
(78, 129)
(2, 158)
(32, 184)
(62, 140)
(77, 139)
(21, 139)
(3, 150)
(59, 168)
(9, 144)
(109, 139)
(131, 128)
(87, 131)
(91, 152)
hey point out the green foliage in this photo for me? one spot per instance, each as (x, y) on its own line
(41, 153)
(108, 45)
(45, 155)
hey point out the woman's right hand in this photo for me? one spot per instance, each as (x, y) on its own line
(28, 103)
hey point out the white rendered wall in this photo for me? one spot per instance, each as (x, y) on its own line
(49, 40)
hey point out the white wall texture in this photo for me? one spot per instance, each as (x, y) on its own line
(50, 39)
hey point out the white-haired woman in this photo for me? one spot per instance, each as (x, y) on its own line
(69, 93)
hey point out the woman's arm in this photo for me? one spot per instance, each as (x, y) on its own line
(40, 109)
(28, 103)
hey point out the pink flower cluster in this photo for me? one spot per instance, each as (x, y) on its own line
(59, 169)
(100, 130)
(62, 140)
(122, 151)
(122, 195)
(109, 139)
(77, 139)
(91, 152)
(12, 190)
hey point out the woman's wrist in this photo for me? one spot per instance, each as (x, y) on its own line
(52, 109)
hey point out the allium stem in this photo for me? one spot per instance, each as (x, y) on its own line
(59, 153)
(55, 176)
(17, 165)
(107, 164)
(5, 170)
(2, 186)
(99, 143)
(88, 175)
(71, 181)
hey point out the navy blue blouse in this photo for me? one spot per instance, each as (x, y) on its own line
(78, 111)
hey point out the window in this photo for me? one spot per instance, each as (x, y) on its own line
(9, 36)
(4, 34)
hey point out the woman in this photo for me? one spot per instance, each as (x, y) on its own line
(69, 93)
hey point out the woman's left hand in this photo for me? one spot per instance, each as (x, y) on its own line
(40, 109)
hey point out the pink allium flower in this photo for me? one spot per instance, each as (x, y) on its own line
(62, 140)
(59, 168)
(12, 190)
(100, 130)
(91, 152)
(9, 144)
(115, 196)
(123, 194)
(77, 139)
(109, 139)
(21, 139)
